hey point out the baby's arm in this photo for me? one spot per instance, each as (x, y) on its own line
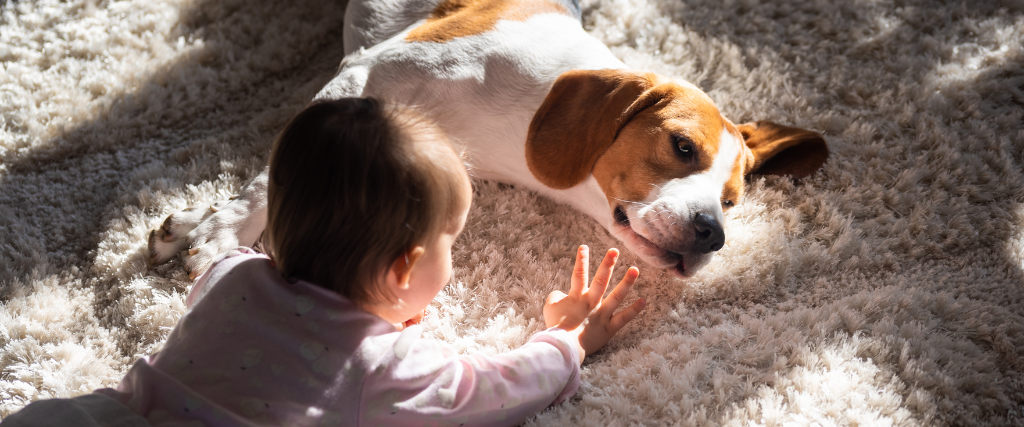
(420, 380)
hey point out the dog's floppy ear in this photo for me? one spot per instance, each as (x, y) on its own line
(775, 149)
(579, 120)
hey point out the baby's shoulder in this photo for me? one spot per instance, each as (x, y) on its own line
(239, 266)
(237, 255)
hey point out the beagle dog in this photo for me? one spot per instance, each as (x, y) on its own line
(540, 103)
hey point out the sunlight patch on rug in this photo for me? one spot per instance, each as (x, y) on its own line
(883, 290)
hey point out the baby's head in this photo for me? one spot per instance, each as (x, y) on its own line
(365, 198)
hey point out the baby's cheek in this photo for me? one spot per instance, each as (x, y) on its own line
(448, 269)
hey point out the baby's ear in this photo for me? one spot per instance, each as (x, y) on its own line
(401, 268)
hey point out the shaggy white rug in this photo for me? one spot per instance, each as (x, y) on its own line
(888, 289)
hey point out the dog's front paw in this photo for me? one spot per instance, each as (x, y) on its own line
(202, 235)
(172, 236)
(191, 230)
(215, 235)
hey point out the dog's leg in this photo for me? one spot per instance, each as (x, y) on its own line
(202, 234)
(169, 239)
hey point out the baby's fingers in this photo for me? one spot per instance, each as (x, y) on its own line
(623, 317)
(604, 273)
(580, 271)
(554, 296)
(612, 301)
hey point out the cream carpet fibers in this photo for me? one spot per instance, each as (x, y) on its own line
(885, 290)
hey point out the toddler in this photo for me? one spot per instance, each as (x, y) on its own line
(365, 201)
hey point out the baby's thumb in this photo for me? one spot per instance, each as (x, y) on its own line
(554, 296)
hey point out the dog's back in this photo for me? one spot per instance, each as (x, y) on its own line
(368, 22)
(479, 68)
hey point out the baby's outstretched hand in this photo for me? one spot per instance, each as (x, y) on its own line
(604, 322)
(569, 311)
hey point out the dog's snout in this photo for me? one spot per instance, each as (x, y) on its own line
(709, 234)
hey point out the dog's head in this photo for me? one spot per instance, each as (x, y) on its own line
(667, 160)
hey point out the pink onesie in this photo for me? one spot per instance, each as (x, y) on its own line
(255, 349)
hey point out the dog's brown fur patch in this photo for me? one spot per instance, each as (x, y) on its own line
(460, 18)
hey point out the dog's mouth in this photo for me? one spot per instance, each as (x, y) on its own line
(677, 260)
(620, 216)
(680, 268)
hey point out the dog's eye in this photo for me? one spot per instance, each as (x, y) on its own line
(683, 147)
(727, 204)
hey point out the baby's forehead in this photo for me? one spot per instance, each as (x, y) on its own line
(464, 194)
(448, 164)
(441, 150)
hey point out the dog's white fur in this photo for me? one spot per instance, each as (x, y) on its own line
(483, 89)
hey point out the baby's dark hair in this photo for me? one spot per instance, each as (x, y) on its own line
(354, 183)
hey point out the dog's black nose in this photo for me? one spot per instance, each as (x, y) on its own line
(709, 234)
